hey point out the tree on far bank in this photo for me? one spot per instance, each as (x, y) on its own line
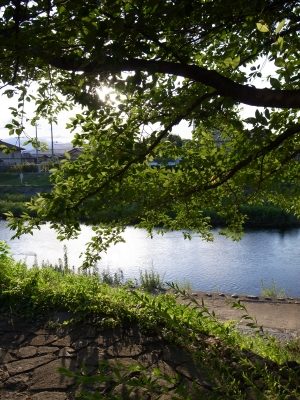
(166, 61)
(176, 139)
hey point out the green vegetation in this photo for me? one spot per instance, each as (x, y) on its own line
(24, 167)
(151, 280)
(36, 292)
(184, 284)
(166, 62)
(268, 215)
(273, 290)
(16, 203)
(258, 216)
(264, 215)
(162, 63)
(29, 179)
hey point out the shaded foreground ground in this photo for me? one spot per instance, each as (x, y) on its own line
(30, 353)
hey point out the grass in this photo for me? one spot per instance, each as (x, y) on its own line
(184, 284)
(29, 179)
(104, 300)
(14, 202)
(273, 290)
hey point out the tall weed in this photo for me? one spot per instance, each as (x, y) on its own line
(273, 290)
(151, 280)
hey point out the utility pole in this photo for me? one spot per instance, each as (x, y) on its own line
(52, 150)
(36, 149)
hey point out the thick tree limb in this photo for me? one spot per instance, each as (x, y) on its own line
(226, 87)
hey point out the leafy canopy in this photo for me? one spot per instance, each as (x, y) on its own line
(167, 61)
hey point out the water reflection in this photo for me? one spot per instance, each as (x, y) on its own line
(222, 265)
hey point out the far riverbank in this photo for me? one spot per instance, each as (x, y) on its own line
(14, 198)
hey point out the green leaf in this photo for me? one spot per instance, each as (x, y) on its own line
(236, 62)
(156, 371)
(279, 62)
(267, 113)
(290, 68)
(227, 62)
(127, 7)
(262, 26)
(280, 42)
(280, 26)
(275, 83)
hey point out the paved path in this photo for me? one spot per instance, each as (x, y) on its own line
(30, 356)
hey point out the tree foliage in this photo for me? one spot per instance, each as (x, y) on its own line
(167, 61)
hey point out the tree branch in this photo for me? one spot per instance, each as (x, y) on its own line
(141, 157)
(242, 164)
(225, 86)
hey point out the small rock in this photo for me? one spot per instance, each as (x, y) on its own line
(49, 396)
(26, 364)
(28, 351)
(208, 295)
(252, 297)
(222, 294)
(66, 352)
(227, 352)
(251, 394)
(285, 373)
(281, 298)
(18, 382)
(294, 365)
(47, 349)
(43, 340)
(235, 296)
(268, 298)
(194, 294)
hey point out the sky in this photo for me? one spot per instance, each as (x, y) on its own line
(60, 133)
(63, 135)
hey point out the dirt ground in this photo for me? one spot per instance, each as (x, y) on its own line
(282, 315)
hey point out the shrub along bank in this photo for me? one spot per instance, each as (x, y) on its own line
(264, 216)
(13, 197)
(239, 364)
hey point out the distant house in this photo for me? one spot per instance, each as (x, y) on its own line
(11, 157)
(27, 157)
(59, 150)
(75, 153)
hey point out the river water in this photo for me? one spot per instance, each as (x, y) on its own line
(221, 265)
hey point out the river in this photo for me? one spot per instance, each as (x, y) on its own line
(221, 265)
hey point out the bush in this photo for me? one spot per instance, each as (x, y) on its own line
(24, 167)
(17, 208)
(151, 280)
